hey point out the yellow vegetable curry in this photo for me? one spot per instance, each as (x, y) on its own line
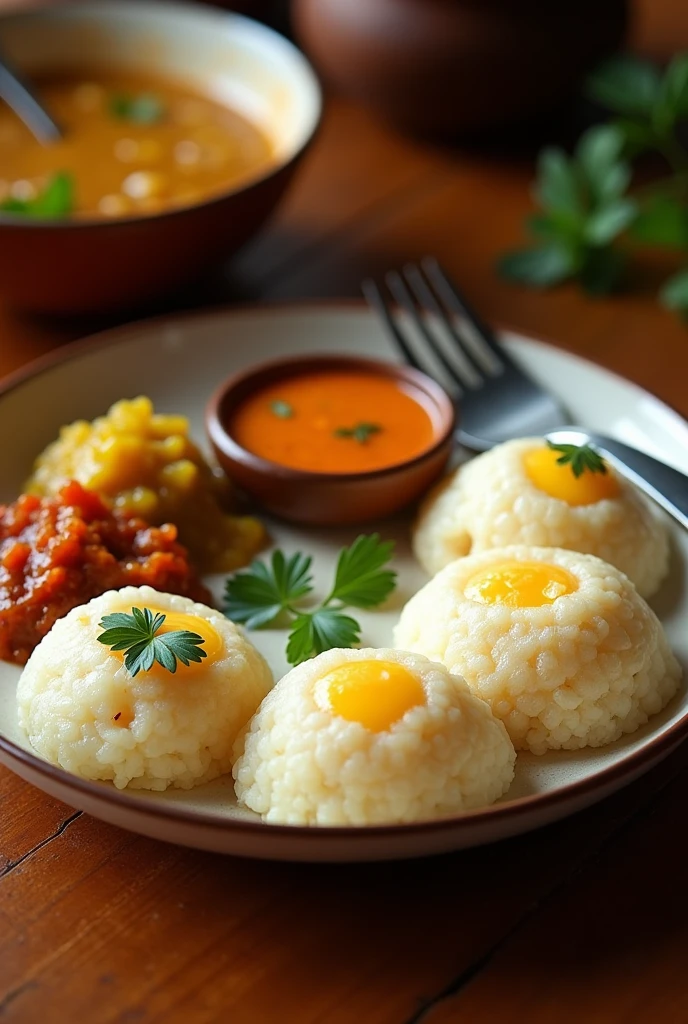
(146, 465)
(130, 146)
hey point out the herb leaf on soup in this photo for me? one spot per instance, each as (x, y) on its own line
(55, 201)
(136, 634)
(580, 458)
(144, 108)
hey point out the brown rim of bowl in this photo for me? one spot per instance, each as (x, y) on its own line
(652, 750)
(271, 171)
(262, 373)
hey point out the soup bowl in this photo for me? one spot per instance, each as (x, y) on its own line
(93, 264)
(329, 497)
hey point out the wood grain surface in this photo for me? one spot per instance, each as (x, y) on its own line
(582, 921)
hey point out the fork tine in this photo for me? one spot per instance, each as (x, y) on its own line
(456, 303)
(426, 298)
(374, 297)
(403, 297)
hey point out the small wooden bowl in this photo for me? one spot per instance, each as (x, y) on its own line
(328, 498)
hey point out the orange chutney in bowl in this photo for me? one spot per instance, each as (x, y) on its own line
(335, 421)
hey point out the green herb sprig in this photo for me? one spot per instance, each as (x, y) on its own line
(137, 635)
(264, 595)
(143, 108)
(581, 458)
(588, 222)
(55, 201)
(361, 432)
(281, 409)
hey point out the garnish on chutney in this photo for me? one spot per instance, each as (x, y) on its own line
(264, 594)
(361, 432)
(283, 410)
(582, 458)
(137, 635)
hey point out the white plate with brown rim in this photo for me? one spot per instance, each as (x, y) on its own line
(178, 361)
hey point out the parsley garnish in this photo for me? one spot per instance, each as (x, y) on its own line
(281, 409)
(135, 634)
(145, 108)
(262, 594)
(360, 432)
(56, 199)
(589, 217)
(579, 457)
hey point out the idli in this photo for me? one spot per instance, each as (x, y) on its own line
(83, 709)
(559, 644)
(371, 736)
(518, 493)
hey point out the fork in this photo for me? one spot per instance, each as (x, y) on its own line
(498, 401)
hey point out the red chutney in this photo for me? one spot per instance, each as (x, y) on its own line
(57, 553)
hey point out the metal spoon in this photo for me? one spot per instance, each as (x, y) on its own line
(20, 97)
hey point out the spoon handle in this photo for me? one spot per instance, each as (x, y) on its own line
(18, 95)
(668, 486)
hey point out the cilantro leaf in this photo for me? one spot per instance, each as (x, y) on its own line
(626, 85)
(137, 635)
(581, 458)
(586, 219)
(318, 631)
(283, 410)
(599, 158)
(545, 266)
(671, 103)
(584, 210)
(144, 108)
(56, 200)
(674, 294)
(609, 221)
(361, 432)
(557, 186)
(360, 580)
(256, 596)
(662, 220)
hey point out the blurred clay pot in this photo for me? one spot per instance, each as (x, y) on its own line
(445, 67)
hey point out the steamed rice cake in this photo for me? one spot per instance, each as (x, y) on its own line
(84, 711)
(517, 493)
(371, 736)
(559, 644)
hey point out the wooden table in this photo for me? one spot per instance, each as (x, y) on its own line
(582, 921)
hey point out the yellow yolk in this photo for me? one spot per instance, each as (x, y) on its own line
(520, 584)
(212, 646)
(543, 470)
(374, 693)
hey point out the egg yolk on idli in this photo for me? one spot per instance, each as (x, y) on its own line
(559, 481)
(520, 584)
(213, 644)
(376, 694)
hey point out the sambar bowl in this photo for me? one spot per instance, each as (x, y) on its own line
(98, 264)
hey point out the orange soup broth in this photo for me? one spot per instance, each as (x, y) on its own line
(195, 148)
(322, 403)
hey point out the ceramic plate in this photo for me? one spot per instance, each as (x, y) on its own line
(178, 362)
